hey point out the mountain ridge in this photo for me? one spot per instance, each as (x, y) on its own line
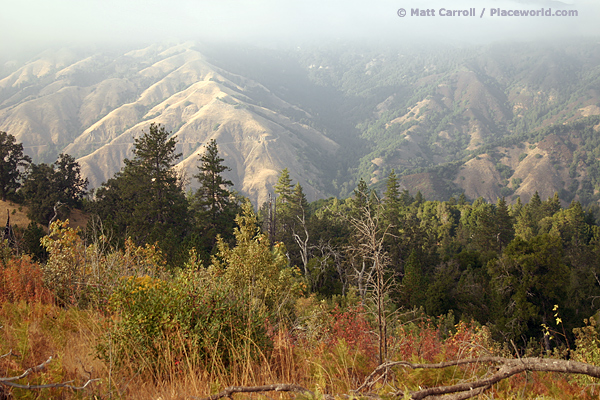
(439, 117)
(188, 96)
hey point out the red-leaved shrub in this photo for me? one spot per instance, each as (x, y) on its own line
(22, 280)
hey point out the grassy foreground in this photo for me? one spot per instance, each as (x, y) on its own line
(116, 317)
(335, 360)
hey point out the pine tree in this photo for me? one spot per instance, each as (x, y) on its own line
(70, 184)
(392, 192)
(525, 226)
(535, 207)
(40, 193)
(391, 209)
(552, 205)
(485, 236)
(284, 188)
(291, 217)
(528, 279)
(213, 198)
(298, 201)
(504, 224)
(516, 208)
(361, 193)
(284, 204)
(405, 198)
(160, 189)
(145, 200)
(419, 199)
(535, 200)
(413, 283)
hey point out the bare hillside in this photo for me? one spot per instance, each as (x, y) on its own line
(94, 107)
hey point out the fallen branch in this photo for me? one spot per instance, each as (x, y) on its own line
(384, 368)
(279, 387)
(9, 381)
(505, 368)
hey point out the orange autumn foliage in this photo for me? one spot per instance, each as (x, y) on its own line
(22, 280)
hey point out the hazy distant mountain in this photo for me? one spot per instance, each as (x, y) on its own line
(486, 121)
(478, 120)
(92, 106)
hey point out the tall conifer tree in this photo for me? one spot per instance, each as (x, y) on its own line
(214, 204)
(145, 200)
(213, 197)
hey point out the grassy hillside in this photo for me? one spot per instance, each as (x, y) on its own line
(18, 216)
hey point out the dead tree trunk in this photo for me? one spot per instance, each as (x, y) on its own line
(370, 236)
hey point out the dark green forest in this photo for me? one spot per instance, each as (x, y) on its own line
(517, 268)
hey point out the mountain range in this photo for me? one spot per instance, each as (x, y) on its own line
(487, 121)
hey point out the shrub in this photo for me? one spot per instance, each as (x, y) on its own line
(335, 342)
(196, 318)
(84, 276)
(64, 269)
(22, 280)
(587, 342)
(506, 191)
(522, 156)
(428, 340)
(256, 269)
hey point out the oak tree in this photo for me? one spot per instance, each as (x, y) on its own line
(11, 167)
(47, 188)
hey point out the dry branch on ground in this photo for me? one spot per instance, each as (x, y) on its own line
(504, 368)
(10, 381)
(279, 387)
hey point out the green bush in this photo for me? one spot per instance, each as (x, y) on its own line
(195, 318)
(587, 342)
(506, 191)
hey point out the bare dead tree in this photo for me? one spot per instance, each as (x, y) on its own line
(341, 265)
(369, 249)
(303, 244)
(326, 255)
(56, 207)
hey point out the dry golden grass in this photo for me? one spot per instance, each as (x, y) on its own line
(332, 355)
(36, 331)
(18, 216)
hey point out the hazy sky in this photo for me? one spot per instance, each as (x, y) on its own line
(37, 23)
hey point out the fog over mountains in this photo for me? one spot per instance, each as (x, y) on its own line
(485, 120)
